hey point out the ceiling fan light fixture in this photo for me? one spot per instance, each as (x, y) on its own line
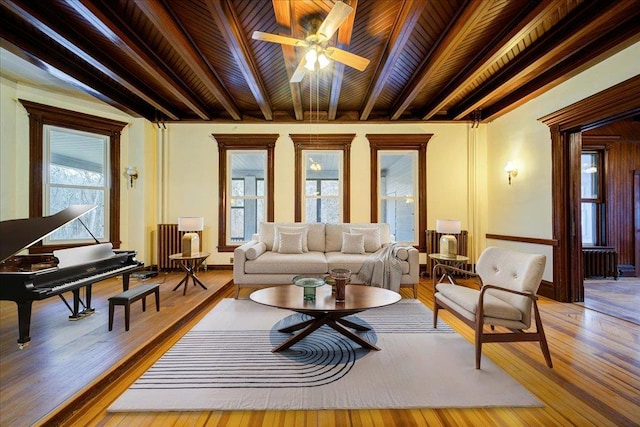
(323, 61)
(311, 56)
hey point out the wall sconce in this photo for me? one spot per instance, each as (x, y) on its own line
(511, 170)
(132, 173)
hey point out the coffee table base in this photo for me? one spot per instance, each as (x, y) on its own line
(332, 319)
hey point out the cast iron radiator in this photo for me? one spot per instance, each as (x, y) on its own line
(170, 242)
(433, 246)
(600, 261)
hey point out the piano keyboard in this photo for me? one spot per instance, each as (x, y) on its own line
(91, 279)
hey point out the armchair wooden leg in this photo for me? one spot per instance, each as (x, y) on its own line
(435, 315)
(543, 339)
(479, 330)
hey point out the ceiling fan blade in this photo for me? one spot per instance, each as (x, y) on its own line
(298, 74)
(334, 19)
(350, 59)
(274, 38)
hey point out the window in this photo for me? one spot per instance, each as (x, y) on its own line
(323, 186)
(397, 193)
(592, 200)
(77, 174)
(245, 186)
(247, 207)
(74, 159)
(322, 176)
(399, 184)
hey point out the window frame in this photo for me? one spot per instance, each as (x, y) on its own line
(40, 115)
(402, 142)
(238, 142)
(322, 142)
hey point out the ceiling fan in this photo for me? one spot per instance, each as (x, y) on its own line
(318, 51)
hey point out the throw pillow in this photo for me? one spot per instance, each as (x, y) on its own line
(290, 243)
(290, 229)
(371, 238)
(256, 250)
(352, 243)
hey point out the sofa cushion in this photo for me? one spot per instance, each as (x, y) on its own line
(291, 243)
(270, 262)
(352, 243)
(279, 229)
(371, 238)
(315, 234)
(333, 232)
(354, 262)
(351, 262)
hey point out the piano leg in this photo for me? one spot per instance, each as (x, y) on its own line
(24, 323)
(125, 281)
(77, 301)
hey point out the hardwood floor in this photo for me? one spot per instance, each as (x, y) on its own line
(64, 357)
(595, 379)
(619, 298)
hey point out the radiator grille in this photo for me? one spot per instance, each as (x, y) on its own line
(600, 261)
(433, 246)
(170, 242)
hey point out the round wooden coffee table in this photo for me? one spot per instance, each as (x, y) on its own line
(324, 310)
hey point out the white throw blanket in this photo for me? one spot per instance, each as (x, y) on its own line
(382, 268)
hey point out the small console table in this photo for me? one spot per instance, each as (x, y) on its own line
(189, 264)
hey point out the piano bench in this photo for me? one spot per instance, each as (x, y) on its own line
(132, 295)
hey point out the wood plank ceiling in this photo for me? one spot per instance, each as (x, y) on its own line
(451, 60)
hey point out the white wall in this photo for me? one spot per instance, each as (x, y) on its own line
(525, 208)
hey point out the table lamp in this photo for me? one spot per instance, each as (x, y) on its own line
(190, 240)
(448, 242)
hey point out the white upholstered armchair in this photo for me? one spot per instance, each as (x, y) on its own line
(509, 281)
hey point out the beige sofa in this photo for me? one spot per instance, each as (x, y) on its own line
(278, 253)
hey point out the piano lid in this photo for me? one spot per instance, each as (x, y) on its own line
(19, 234)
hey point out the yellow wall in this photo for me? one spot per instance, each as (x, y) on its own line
(193, 171)
(525, 208)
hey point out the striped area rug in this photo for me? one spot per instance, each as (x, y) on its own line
(226, 363)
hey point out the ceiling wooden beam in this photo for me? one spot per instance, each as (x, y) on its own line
(453, 37)
(408, 16)
(14, 40)
(620, 37)
(37, 19)
(532, 14)
(343, 40)
(282, 10)
(167, 26)
(587, 24)
(137, 50)
(230, 27)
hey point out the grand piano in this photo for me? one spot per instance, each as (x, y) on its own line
(28, 278)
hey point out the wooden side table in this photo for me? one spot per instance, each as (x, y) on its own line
(458, 261)
(190, 264)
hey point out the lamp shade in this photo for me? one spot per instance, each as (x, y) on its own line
(190, 223)
(448, 226)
